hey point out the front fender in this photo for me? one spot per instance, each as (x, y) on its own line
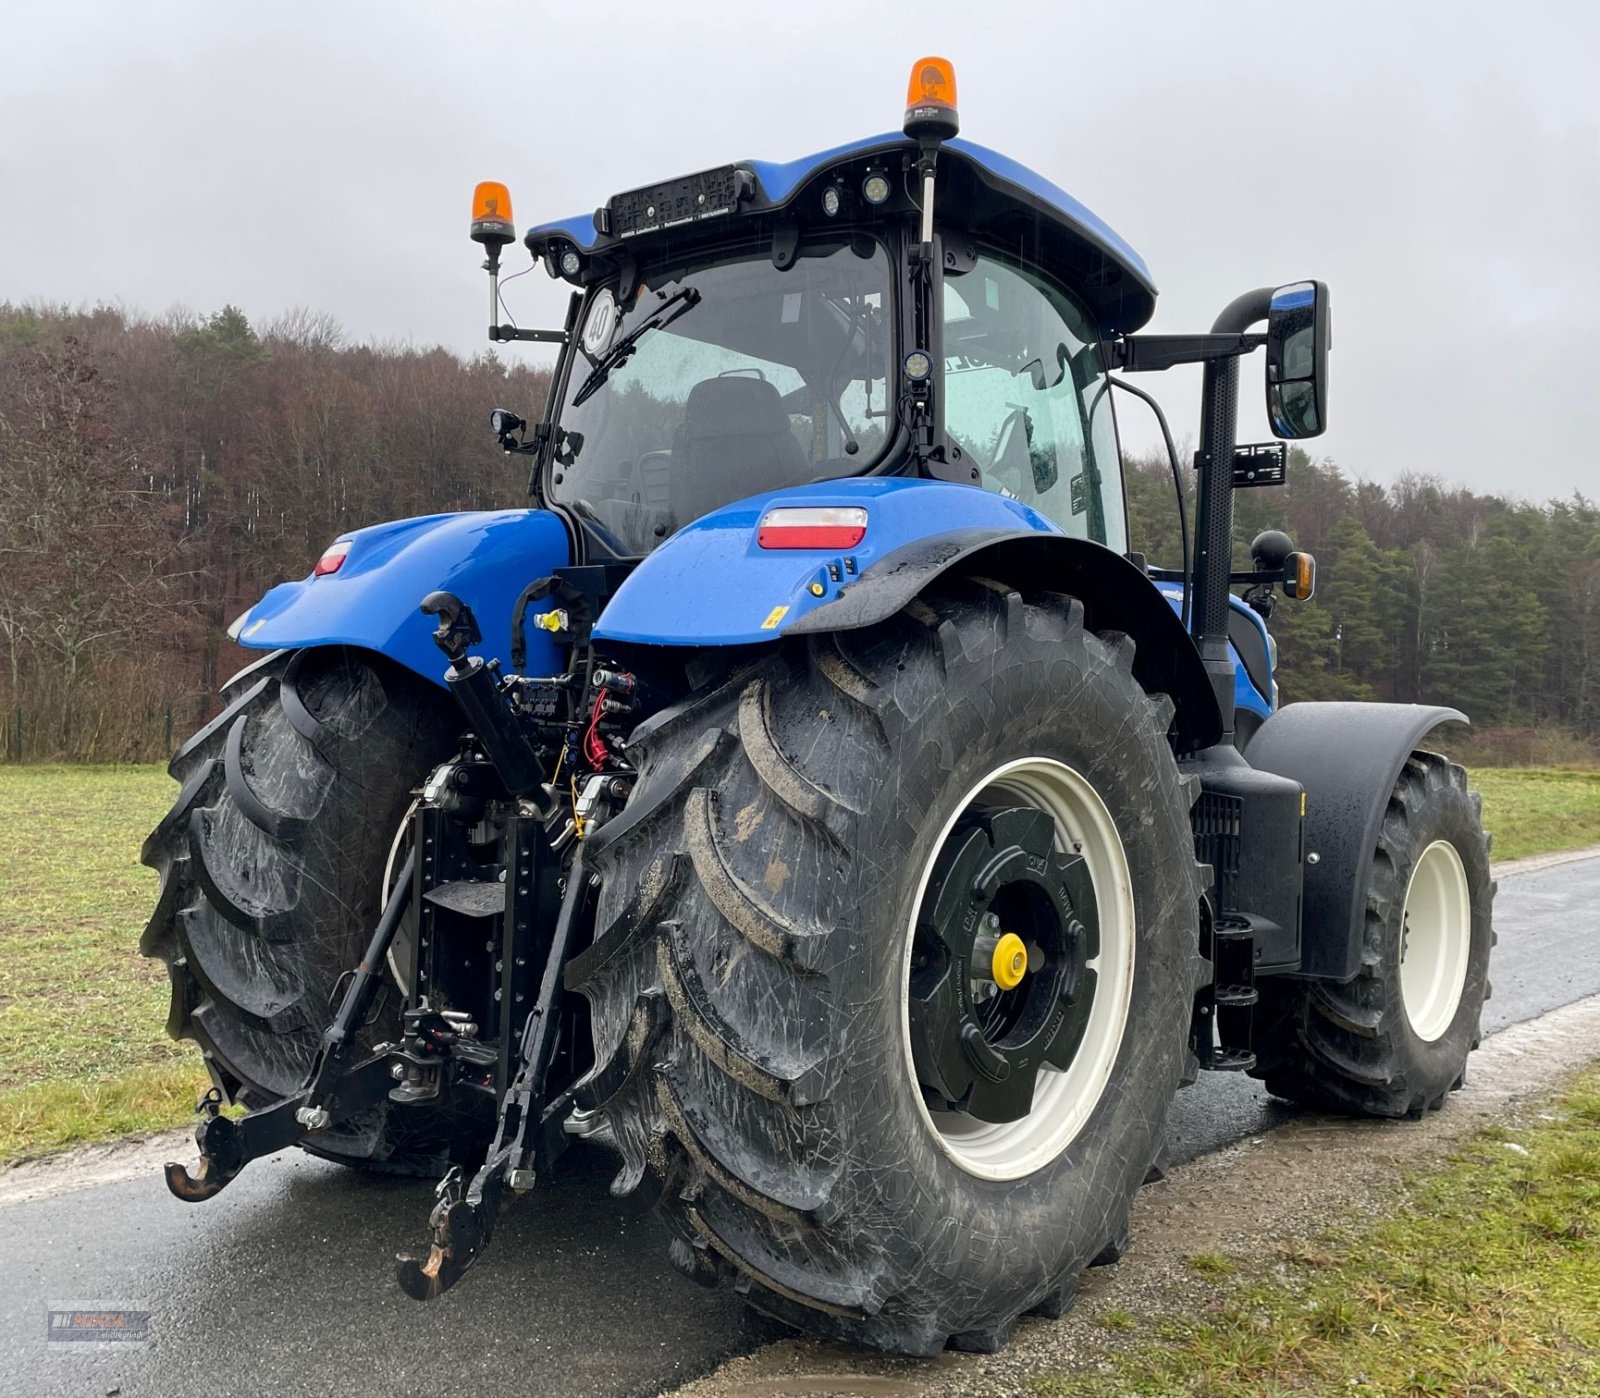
(712, 584)
(1348, 758)
(485, 557)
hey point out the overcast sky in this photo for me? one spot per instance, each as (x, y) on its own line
(1437, 164)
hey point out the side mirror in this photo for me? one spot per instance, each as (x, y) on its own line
(1298, 336)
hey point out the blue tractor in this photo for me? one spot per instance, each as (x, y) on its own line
(812, 800)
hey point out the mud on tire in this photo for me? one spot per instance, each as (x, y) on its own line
(271, 862)
(1352, 1047)
(747, 974)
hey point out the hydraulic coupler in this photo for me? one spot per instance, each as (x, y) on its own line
(472, 681)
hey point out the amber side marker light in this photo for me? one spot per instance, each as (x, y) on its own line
(1301, 576)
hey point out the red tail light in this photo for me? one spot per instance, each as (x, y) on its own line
(332, 559)
(812, 527)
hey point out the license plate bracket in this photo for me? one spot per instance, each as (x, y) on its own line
(687, 199)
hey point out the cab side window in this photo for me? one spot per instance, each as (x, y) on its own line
(1024, 398)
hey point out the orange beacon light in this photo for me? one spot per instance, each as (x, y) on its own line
(491, 215)
(931, 100)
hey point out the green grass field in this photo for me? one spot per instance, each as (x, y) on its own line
(1481, 1281)
(83, 1052)
(83, 1048)
(1537, 810)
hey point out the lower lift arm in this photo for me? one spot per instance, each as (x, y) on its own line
(333, 1090)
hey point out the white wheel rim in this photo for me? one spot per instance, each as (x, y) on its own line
(1063, 1099)
(1435, 940)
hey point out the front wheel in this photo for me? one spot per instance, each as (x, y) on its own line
(893, 967)
(1394, 1041)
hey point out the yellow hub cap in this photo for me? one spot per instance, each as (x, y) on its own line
(1009, 962)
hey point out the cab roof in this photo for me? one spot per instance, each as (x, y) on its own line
(998, 195)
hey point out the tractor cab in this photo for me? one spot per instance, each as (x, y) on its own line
(899, 306)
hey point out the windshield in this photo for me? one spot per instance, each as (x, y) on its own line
(723, 380)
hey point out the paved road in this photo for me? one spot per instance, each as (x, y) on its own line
(1548, 956)
(282, 1286)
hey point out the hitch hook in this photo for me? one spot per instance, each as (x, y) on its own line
(220, 1157)
(464, 1218)
(458, 1238)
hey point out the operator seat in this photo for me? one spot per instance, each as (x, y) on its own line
(734, 441)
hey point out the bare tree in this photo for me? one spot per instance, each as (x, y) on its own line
(87, 570)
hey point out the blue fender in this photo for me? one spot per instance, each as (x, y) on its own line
(485, 557)
(712, 584)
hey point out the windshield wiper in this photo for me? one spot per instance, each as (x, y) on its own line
(682, 300)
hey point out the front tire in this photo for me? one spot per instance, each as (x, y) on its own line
(1394, 1041)
(749, 974)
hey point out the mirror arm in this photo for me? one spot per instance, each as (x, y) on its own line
(510, 332)
(1243, 311)
(1144, 354)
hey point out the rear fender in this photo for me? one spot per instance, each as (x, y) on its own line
(485, 557)
(1116, 596)
(1348, 758)
(712, 584)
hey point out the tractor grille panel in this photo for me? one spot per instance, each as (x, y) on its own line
(1218, 826)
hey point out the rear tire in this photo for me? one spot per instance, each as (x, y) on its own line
(271, 865)
(748, 978)
(1394, 1041)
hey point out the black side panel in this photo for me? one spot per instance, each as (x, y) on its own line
(1248, 828)
(1115, 594)
(1348, 757)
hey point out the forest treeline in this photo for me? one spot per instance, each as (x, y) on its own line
(1425, 592)
(157, 475)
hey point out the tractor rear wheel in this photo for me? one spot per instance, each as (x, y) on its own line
(893, 968)
(272, 863)
(1394, 1041)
